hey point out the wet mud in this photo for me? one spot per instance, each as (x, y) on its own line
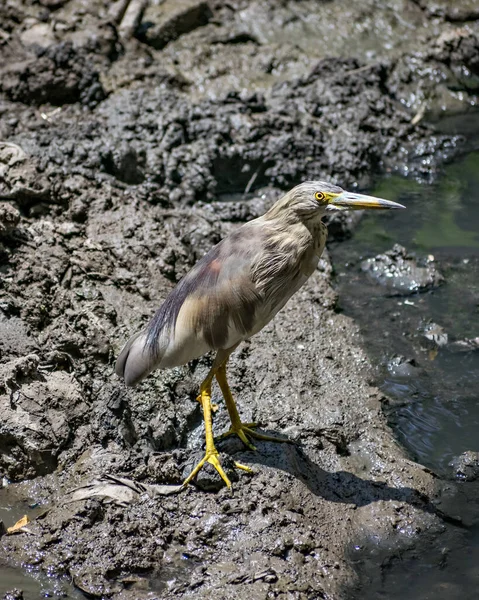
(132, 138)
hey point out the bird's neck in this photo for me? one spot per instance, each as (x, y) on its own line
(307, 234)
(317, 230)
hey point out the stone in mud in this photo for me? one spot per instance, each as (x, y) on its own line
(466, 466)
(402, 273)
(167, 21)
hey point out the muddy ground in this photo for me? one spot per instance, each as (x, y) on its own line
(132, 138)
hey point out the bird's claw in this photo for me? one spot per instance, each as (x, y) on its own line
(243, 430)
(243, 467)
(212, 458)
(240, 431)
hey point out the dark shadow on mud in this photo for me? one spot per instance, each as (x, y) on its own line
(338, 486)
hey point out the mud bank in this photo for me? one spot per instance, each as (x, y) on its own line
(123, 159)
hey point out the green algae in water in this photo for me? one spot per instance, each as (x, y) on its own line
(437, 217)
(441, 226)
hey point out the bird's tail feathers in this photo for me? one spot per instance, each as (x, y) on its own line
(135, 361)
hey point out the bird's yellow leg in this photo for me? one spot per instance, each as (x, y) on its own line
(211, 455)
(242, 430)
(199, 398)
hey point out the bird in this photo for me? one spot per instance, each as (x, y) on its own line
(232, 292)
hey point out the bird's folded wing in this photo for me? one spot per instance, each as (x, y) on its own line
(216, 302)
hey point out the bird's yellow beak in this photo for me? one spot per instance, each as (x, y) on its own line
(350, 201)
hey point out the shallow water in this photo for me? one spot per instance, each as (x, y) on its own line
(434, 407)
(33, 583)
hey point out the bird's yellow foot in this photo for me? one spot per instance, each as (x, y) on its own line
(243, 430)
(212, 458)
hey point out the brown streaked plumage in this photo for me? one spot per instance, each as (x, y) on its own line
(234, 291)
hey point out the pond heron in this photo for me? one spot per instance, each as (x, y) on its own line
(233, 292)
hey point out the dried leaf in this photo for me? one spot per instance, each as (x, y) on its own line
(120, 490)
(19, 525)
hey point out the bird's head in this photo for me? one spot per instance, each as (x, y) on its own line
(312, 200)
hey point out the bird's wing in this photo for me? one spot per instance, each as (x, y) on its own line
(217, 300)
(214, 306)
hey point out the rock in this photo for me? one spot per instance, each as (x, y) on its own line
(167, 21)
(400, 366)
(402, 273)
(466, 466)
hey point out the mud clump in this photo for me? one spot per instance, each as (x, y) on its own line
(124, 161)
(440, 78)
(58, 75)
(9, 219)
(466, 466)
(32, 435)
(402, 273)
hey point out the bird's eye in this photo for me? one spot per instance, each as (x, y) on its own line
(319, 196)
